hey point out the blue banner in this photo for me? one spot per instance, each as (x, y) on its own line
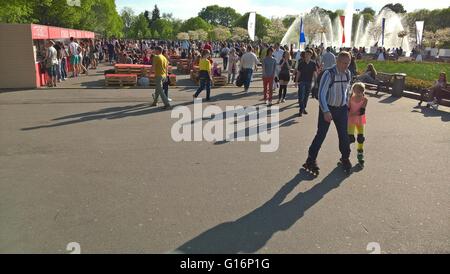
(302, 32)
(383, 23)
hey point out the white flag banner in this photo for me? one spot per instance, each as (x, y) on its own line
(251, 25)
(419, 31)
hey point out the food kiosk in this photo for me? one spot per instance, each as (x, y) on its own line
(22, 51)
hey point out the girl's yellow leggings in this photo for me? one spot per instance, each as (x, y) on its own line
(359, 132)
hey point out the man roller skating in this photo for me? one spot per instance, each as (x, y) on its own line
(333, 101)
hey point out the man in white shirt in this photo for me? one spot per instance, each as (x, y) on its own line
(248, 62)
(328, 59)
(74, 57)
(51, 63)
(278, 55)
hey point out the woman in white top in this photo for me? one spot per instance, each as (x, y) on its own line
(232, 66)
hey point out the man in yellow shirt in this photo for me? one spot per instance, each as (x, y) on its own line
(159, 67)
(204, 75)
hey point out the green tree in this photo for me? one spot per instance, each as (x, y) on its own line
(127, 15)
(155, 14)
(147, 17)
(397, 8)
(288, 20)
(95, 15)
(164, 28)
(183, 36)
(219, 33)
(368, 10)
(216, 15)
(239, 34)
(334, 14)
(195, 23)
(434, 19)
(262, 24)
(139, 28)
(16, 11)
(275, 31)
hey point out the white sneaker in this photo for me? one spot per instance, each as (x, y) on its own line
(283, 101)
(170, 100)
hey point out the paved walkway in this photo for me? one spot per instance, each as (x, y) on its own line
(99, 167)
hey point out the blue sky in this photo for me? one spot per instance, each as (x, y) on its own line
(190, 8)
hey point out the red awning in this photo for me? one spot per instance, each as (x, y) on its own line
(47, 32)
(65, 33)
(39, 32)
(54, 32)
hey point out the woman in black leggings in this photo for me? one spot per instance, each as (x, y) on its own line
(284, 76)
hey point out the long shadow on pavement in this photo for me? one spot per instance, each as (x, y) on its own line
(251, 232)
(106, 113)
(427, 112)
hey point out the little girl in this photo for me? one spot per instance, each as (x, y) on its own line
(357, 118)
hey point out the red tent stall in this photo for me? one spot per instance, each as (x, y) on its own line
(22, 51)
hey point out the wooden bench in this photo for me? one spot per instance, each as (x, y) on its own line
(183, 66)
(194, 76)
(120, 79)
(172, 80)
(135, 69)
(385, 82)
(219, 81)
(132, 69)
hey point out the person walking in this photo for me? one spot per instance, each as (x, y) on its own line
(284, 75)
(63, 54)
(333, 102)
(225, 54)
(51, 63)
(74, 51)
(328, 59)
(204, 75)
(167, 81)
(269, 65)
(232, 66)
(248, 62)
(306, 70)
(159, 68)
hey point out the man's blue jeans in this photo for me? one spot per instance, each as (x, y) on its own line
(248, 77)
(304, 88)
(205, 82)
(340, 119)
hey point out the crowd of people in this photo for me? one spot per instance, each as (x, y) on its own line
(327, 74)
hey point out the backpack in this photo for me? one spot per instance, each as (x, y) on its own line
(315, 91)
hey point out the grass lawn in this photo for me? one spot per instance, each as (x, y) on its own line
(419, 75)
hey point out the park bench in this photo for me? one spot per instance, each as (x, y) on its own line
(183, 66)
(120, 79)
(132, 69)
(385, 82)
(172, 80)
(135, 69)
(219, 80)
